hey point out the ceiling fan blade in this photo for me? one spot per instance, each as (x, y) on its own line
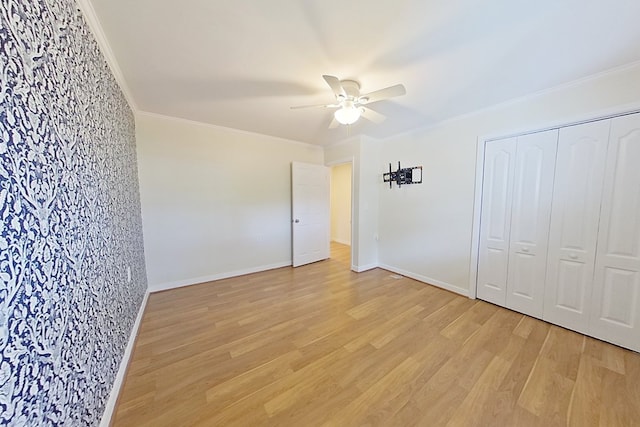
(373, 116)
(334, 84)
(315, 106)
(379, 95)
(334, 123)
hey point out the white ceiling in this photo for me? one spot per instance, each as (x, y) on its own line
(243, 63)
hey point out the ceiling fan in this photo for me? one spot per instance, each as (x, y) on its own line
(350, 103)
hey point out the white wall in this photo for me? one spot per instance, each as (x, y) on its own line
(341, 203)
(426, 229)
(370, 176)
(215, 202)
(211, 210)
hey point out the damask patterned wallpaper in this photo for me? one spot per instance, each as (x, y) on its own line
(71, 224)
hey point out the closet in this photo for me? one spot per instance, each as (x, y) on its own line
(559, 235)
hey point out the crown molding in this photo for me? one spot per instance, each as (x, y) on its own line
(158, 116)
(91, 18)
(533, 96)
(547, 91)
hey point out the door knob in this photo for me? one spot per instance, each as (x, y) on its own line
(296, 221)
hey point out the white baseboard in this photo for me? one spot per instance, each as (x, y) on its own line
(118, 381)
(195, 280)
(361, 268)
(427, 280)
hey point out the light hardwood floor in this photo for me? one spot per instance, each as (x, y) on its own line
(320, 345)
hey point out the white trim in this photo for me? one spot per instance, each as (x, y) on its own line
(475, 227)
(429, 281)
(540, 93)
(91, 18)
(607, 113)
(564, 86)
(361, 268)
(124, 364)
(140, 113)
(203, 279)
(604, 114)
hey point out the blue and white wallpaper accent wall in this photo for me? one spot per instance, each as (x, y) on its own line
(70, 219)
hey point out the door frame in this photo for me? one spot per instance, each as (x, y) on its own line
(351, 161)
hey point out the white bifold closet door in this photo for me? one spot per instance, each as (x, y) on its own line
(514, 223)
(615, 307)
(530, 215)
(495, 223)
(580, 167)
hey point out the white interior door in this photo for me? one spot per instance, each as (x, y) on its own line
(311, 217)
(615, 315)
(530, 214)
(573, 232)
(495, 220)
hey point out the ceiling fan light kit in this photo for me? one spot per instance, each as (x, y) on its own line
(350, 104)
(347, 114)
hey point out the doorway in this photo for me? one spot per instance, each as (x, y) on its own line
(341, 212)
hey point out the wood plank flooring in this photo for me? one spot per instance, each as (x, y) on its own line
(320, 345)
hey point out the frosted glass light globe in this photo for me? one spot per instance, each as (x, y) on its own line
(347, 114)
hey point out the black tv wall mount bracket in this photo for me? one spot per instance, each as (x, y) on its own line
(412, 175)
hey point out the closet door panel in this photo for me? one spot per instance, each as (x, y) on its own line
(616, 297)
(573, 232)
(572, 276)
(531, 212)
(495, 220)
